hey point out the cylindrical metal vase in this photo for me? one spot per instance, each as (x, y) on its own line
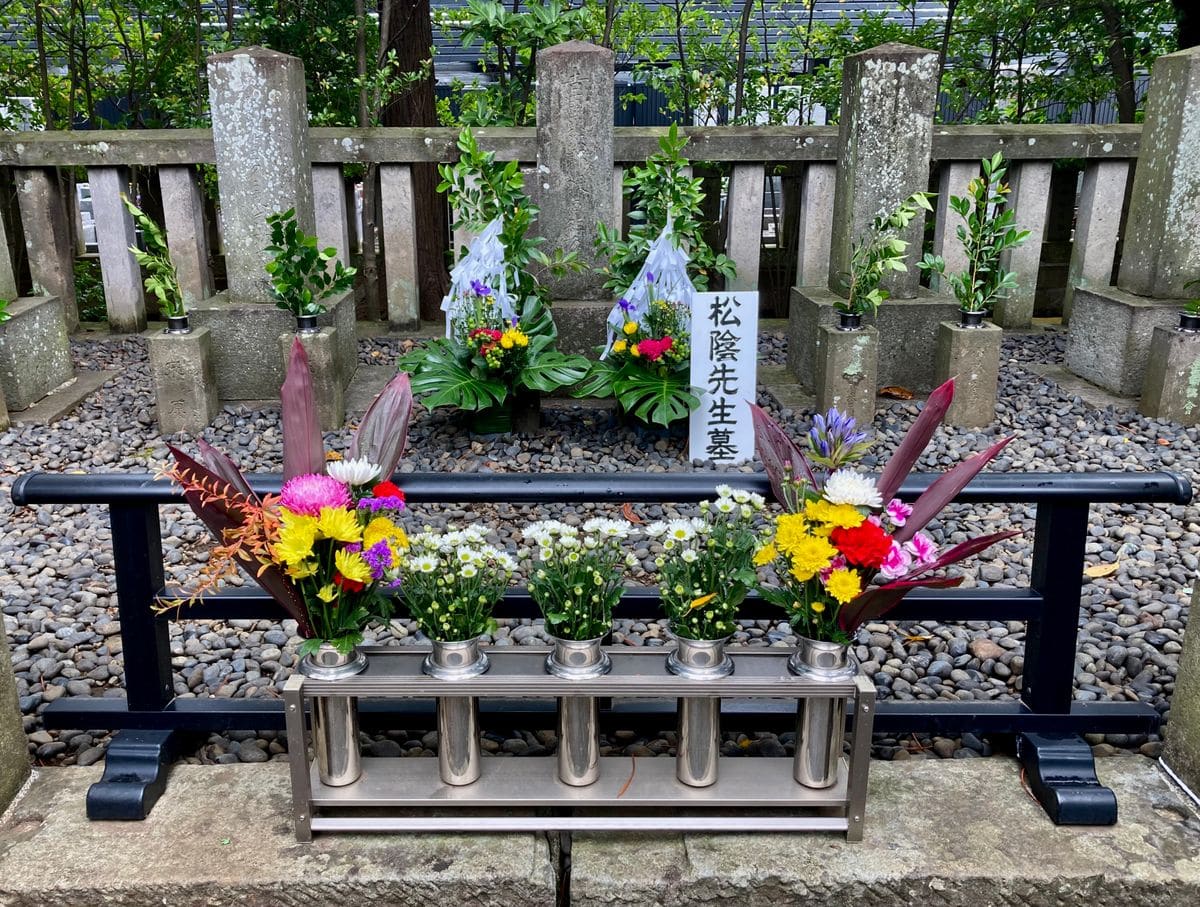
(578, 716)
(820, 722)
(699, 743)
(457, 716)
(335, 718)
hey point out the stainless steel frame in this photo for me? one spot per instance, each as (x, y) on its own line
(631, 794)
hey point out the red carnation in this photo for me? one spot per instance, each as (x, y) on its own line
(350, 585)
(866, 545)
(387, 490)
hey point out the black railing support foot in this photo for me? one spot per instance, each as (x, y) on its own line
(135, 775)
(1061, 771)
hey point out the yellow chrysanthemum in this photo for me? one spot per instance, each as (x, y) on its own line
(846, 516)
(339, 524)
(817, 607)
(297, 534)
(633, 351)
(790, 530)
(630, 328)
(382, 528)
(619, 346)
(522, 339)
(810, 556)
(702, 601)
(352, 566)
(302, 570)
(327, 593)
(506, 342)
(765, 555)
(844, 585)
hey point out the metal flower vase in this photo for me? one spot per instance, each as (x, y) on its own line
(699, 744)
(578, 716)
(457, 716)
(820, 721)
(335, 718)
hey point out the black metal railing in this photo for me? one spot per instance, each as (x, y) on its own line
(1046, 720)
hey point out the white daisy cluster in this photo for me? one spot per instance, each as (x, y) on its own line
(734, 501)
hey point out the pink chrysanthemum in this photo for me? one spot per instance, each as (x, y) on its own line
(307, 494)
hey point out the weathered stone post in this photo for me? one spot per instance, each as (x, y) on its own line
(1111, 327)
(48, 238)
(575, 179)
(260, 136)
(8, 274)
(848, 372)
(972, 356)
(884, 141)
(1182, 751)
(187, 234)
(115, 233)
(14, 753)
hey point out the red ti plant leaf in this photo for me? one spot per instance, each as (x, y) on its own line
(216, 513)
(874, 603)
(383, 432)
(303, 449)
(778, 452)
(944, 489)
(915, 441)
(219, 464)
(961, 552)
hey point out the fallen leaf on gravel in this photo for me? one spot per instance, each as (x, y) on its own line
(1098, 570)
(627, 509)
(913, 640)
(895, 392)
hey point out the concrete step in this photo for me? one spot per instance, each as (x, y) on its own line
(960, 832)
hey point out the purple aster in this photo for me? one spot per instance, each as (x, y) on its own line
(310, 493)
(379, 558)
(377, 504)
(625, 304)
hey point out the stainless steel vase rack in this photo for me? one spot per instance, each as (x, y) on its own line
(524, 793)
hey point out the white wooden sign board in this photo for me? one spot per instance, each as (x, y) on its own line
(725, 369)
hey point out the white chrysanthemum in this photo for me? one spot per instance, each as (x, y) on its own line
(656, 529)
(724, 491)
(468, 571)
(849, 487)
(741, 496)
(689, 556)
(725, 505)
(757, 501)
(681, 530)
(425, 564)
(631, 560)
(360, 471)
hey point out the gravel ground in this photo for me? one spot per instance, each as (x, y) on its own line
(59, 608)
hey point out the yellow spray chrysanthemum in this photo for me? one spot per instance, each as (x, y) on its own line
(506, 342)
(817, 607)
(619, 346)
(790, 530)
(327, 593)
(297, 534)
(302, 570)
(810, 556)
(634, 351)
(352, 566)
(630, 328)
(382, 528)
(339, 524)
(844, 516)
(844, 585)
(765, 555)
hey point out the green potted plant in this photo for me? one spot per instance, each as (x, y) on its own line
(875, 255)
(301, 275)
(492, 365)
(1189, 315)
(987, 232)
(161, 281)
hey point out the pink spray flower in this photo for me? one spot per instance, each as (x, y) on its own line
(898, 512)
(836, 564)
(897, 563)
(308, 493)
(922, 547)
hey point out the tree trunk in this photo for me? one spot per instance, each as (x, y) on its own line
(1117, 52)
(944, 49)
(410, 35)
(739, 96)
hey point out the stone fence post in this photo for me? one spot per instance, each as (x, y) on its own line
(1182, 751)
(14, 751)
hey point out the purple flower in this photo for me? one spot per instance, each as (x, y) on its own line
(480, 289)
(379, 558)
(625, 304)
(898, 512)
(835, 440)
(649, 277)
(377, 504)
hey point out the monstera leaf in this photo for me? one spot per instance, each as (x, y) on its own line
(599, 381)
(440, 379)
(659, 399)
(550, 370)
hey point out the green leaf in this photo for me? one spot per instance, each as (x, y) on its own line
(551, 370)
(655, 398)
(439, 379)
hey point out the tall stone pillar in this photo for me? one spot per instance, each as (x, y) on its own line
(1111, 327)
(575, 156)
(1164, 209)
(14, 754)
(885, 136)
(1182, 752)
(260, 135)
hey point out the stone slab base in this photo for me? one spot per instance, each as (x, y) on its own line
(847, 372)
(35, 355)
(1171, 389)
(185, 385)
(223, 835)
(63, 400)
(1182, 753)
(245, 342)
(972, 357)
(325, 371)
(581, 324)
(949, 833)
(907, 335)
(1109, 339)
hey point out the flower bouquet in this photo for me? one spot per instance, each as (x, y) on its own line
(323, 547)
(846, 550)
(707, 565)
